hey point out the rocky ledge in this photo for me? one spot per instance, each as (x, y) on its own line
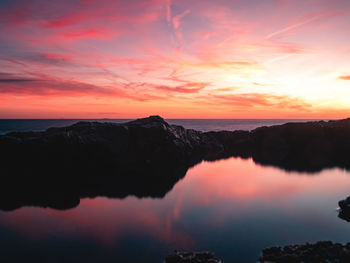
(309, 146)
(140, 143)
(192, 257)
(146, 157)
(321, 252)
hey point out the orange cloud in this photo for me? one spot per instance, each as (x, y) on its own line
(344, 77)
(186, 88)
(249, 100)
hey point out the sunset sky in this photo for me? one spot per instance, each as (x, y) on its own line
(175, 58)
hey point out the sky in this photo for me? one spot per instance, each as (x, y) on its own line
(175, 58)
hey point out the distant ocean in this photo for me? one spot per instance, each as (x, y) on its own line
(12, 125)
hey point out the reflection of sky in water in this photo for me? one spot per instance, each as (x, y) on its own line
(231, 207)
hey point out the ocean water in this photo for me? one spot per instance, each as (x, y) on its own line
(232, 207)
(11, 125)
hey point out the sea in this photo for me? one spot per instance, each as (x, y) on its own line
(21, 125)
(232, 207)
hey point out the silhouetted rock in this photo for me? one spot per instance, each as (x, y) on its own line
(344, 212)
(191, 257)
(146, 157)
(321, 252)
(310, 146)
(57, 167)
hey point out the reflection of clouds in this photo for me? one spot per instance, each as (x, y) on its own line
(213, 194)
(101, 219)
(233, 187)
(242, 179)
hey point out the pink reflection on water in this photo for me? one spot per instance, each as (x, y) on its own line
(244, 180)
(243, 184)
(102, 219)
(218, 188)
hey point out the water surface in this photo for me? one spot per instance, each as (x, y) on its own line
(232, 207)
(11, 125)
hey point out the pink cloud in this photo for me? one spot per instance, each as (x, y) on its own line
(177, 19)
(177, 27)
(139, 50)
(51, 87)
(89, 34)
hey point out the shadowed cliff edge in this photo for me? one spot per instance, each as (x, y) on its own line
(146, 157)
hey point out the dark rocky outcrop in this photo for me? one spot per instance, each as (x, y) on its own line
(57, 167)
(191, 257)
(321, 252)
(309, 146)
(344, 211)
(146, 157)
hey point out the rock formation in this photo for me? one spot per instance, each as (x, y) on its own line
(344, 211)
(192, 257)
(321, 252)
(309, 146)
(146, 157)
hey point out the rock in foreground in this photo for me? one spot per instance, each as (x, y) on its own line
(321, 252)
(192, 257)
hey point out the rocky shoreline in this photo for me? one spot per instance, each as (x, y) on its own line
(307, 146)
(192, 257)
(320, 252)
(146, 157)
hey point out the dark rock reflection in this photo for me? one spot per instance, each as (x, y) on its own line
(232, 207)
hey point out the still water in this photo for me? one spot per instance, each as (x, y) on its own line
(232, 207)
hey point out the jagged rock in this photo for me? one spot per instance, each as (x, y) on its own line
(192, 257)
(344, 211)
(320, 252)
(141, 142)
